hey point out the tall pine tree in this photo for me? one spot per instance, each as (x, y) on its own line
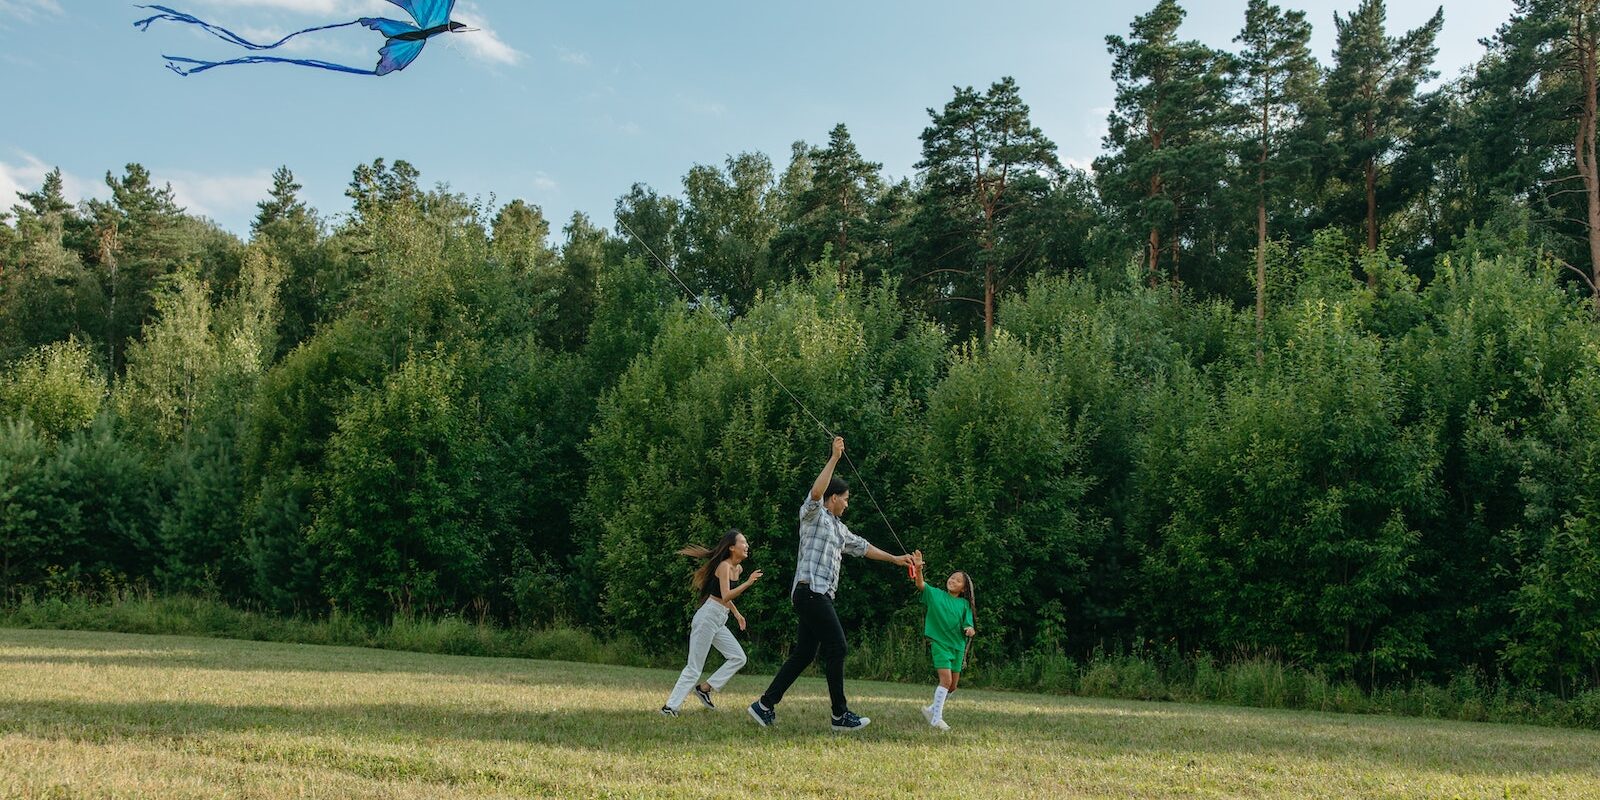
(1278, 80)
(985, 162)
(1167, 138)
(1372, 95)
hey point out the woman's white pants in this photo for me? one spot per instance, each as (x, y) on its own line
(709, 629)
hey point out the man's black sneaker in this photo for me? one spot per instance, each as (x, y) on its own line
(668, 711)
(765, 717)
(850, 722)
(705, 698)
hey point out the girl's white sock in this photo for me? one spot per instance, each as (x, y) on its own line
(939, 695)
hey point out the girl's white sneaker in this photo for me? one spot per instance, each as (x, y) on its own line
(940, 725)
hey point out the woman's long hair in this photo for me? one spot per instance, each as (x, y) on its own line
(713, 557)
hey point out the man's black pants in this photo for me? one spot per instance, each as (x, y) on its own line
(819, 628)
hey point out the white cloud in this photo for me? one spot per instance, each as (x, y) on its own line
(16, 178)
(484, 43)
(28, 176)
(573, 57)
(224, 198)
(28, 10)
(217, 196)
(1085, 164)
(544, 182)
(708, 108)
(1097, 125)
(624, 127)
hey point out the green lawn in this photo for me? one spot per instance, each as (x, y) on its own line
(113, 715)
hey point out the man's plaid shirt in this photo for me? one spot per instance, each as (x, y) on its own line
(823, 542)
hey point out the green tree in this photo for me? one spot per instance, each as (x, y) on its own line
(400, 516)
(984, 164)
(1000, 489)
(1167, 137)
(572, 279)
(46, 293)
(522, 239)
(836, 209)
(1372, 96)
(58, 387)
(1297, 497)
(283, 204)
(138, 238)
(1535, 121)
(647, 227)
(1279, 80)
(32, 505)
(729, 220)
(292, 235)
(172, 368)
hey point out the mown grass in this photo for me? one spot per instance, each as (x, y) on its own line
(893, 654)
(118, 715)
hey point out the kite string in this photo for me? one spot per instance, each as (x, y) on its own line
(757, 359)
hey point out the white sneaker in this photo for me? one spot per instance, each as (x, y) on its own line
(927, 714)
(940, 725)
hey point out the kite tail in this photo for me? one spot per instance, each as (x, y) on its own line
(175, 63)
(220, 32)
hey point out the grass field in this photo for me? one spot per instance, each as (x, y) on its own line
(114, 715)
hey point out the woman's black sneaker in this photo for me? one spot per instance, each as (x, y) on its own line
(667, 711)
(705, 698)
(850, 722)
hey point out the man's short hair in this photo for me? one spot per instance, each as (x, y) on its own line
(836, 485)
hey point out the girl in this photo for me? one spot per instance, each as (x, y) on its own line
(948, 626)
(713, 583)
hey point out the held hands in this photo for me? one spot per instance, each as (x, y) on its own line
(838, 447)
(909, 563)
(969, 632)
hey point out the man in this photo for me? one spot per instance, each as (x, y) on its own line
(824, 540)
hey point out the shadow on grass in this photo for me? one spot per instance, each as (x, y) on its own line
(1032, 724)
(1069, 729)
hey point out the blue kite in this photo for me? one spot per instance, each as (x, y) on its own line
(404, 40)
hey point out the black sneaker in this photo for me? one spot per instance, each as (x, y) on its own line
(705, 698)
(765, 717)
(668, 711)
(850, 722)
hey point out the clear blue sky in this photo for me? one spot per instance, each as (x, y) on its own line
(564, 104)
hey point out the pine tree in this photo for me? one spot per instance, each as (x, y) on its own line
(1166, 136)
(1279, 78)
(984, 161)
(283, 204)
(1535, 118)
(836, 209)
(1372, 95)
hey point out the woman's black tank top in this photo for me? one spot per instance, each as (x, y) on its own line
(713, 587)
